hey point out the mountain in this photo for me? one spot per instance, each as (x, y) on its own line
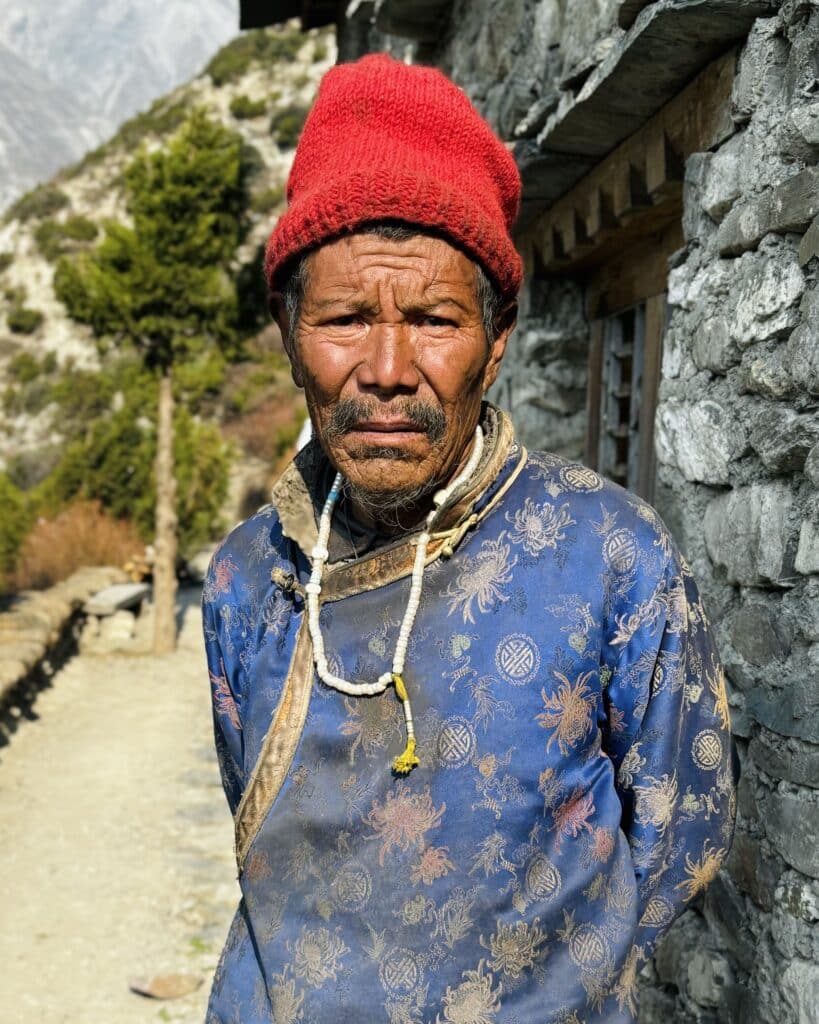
(42, 126)
(71, 72)
(260, 85)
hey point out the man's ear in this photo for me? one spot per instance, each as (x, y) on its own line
(278, 310)
(505, 324)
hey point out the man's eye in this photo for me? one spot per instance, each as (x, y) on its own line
(437, 321)
(344, 321)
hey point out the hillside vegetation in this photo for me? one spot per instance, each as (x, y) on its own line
(78, 421)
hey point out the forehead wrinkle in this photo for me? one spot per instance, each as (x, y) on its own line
(372, 280)
(348, 301)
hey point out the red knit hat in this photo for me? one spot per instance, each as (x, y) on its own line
(387, 140)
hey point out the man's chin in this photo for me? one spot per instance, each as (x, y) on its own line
(384, 453)
(382, 492)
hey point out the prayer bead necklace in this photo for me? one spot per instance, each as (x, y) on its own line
(406, 761)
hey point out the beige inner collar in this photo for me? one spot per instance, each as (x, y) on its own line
(292, 500)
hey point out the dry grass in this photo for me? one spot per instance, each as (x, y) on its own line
(84, 534)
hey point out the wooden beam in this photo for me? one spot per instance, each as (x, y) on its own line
(573, 233)
(629, 191)
(639, 185)
(600, 221)
(665, 168)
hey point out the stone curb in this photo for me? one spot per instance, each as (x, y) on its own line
(37, 621)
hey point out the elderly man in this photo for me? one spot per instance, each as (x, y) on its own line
(470, 717)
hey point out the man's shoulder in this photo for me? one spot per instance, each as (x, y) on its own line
(244, 558)
(607, 509)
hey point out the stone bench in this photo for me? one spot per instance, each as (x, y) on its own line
(119, 597)
(118, 619)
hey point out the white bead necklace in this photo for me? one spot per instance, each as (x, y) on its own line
(405, 762)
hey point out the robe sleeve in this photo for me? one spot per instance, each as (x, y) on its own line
(668, 735)
(225, 672)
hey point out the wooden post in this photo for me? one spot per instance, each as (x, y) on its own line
(652, 362)
(593, 393)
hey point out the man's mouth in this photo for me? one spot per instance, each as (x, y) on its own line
(387, 427)
(387, 434)
(400, 426)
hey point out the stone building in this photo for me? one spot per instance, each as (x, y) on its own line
(669, 337)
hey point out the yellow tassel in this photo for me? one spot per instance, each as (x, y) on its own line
(400, 688)
(404, 763)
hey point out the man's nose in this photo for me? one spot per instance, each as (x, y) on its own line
(389, 359)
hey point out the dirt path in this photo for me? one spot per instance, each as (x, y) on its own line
(115, 842)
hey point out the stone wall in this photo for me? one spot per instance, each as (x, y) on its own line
(737, 438)
(34, 624)
(736, 432)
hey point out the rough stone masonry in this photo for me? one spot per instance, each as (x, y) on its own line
(736, 431)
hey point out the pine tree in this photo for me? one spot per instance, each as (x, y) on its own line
(162, 286)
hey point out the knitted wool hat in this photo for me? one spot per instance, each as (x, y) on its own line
(387, 140)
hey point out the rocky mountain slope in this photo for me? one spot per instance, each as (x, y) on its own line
(260, 86)
(70, 73)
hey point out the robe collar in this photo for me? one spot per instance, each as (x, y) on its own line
(293, 498)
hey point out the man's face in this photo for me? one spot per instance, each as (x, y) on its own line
(391, 351)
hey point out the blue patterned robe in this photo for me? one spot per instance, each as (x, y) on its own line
(575, 789)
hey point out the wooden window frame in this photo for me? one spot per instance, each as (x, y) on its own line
(607, 397)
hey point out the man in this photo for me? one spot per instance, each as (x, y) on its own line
(469, 714)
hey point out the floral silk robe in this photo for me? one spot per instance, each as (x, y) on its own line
(575, 789)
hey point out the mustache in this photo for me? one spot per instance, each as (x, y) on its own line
(351, 411)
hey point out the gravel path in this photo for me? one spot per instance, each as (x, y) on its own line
(116, 853)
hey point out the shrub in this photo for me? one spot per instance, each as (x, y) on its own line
(114, 464)
(252, 161)
(80, 229)
(23, 320)
(32, 390)
(49, 239)
(251, 294)
(30, 398)
(194, 379)
(54, 238)
(82, 396)
(268, 47)
(269, 199)
(286, 125)
(319, 51)
(243, 107)
(6, 260)
(232, 61)
(29, 468)
(83, 534)
(14, 524)
(24, 367)
(70, 289)
(42, 201)
(159, 119)
(202, 465)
